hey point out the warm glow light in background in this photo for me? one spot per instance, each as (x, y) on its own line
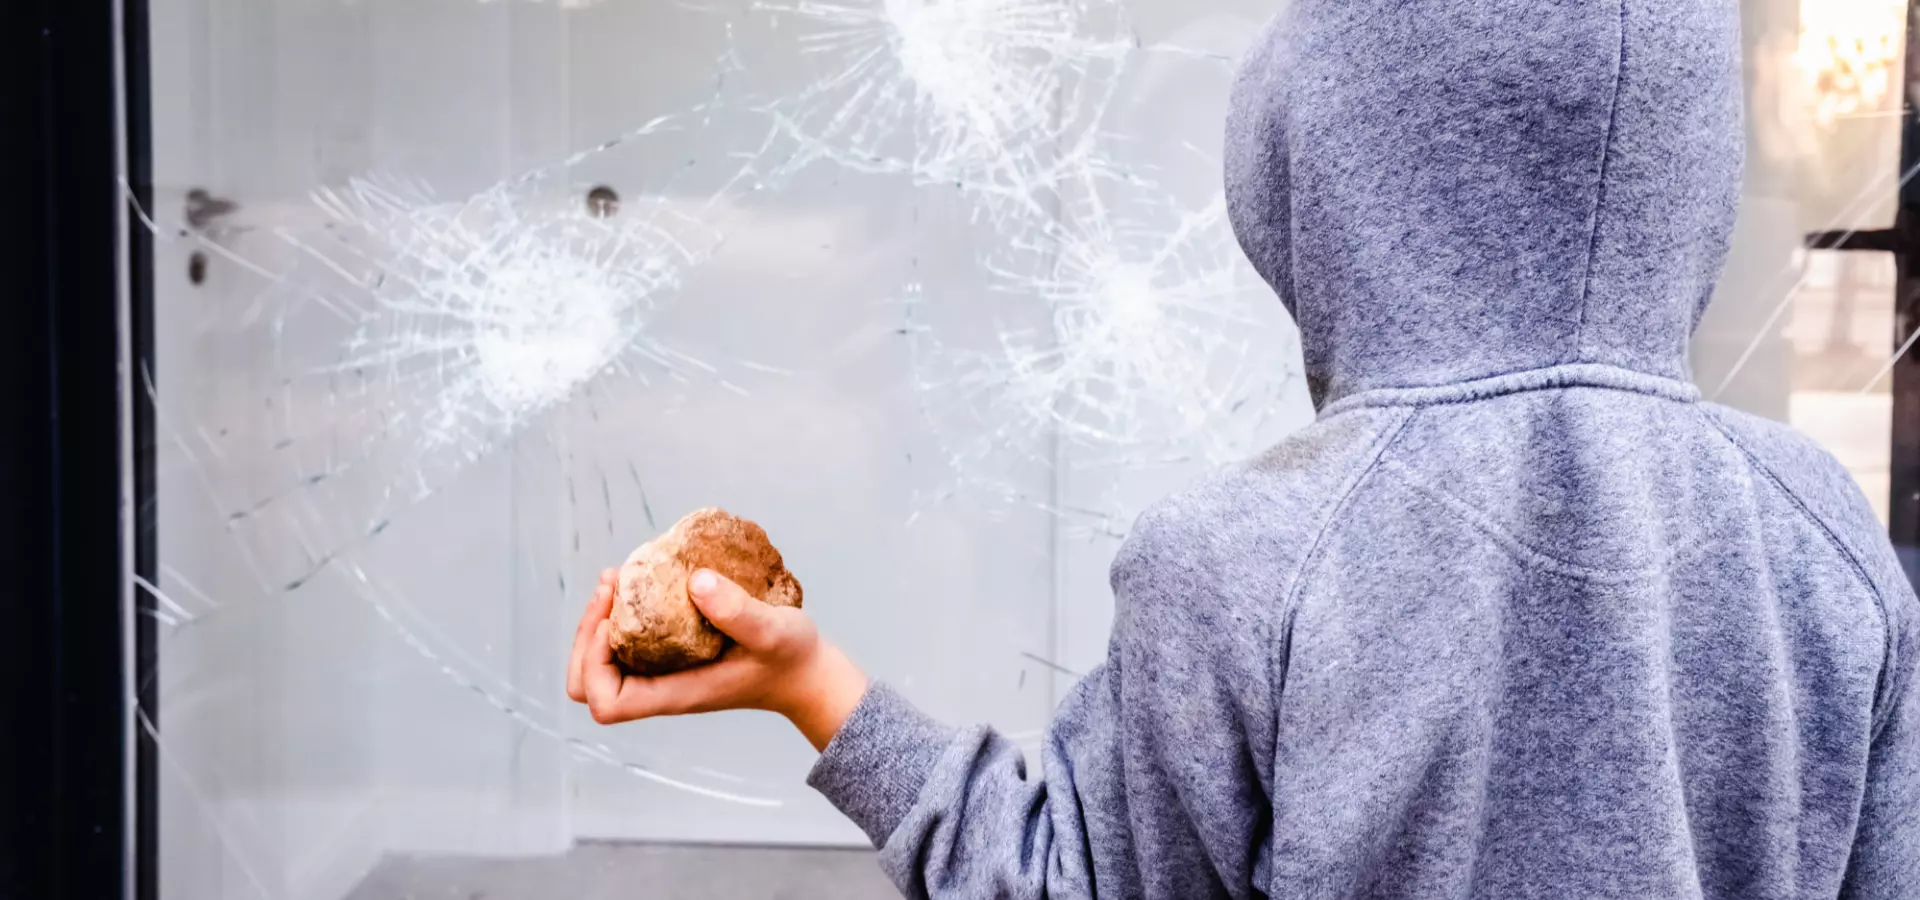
(1849, 54)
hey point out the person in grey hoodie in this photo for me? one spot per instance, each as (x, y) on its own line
(1519, 616)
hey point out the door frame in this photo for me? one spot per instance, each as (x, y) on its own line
(76, 463)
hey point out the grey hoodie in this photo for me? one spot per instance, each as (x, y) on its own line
(1519, 616)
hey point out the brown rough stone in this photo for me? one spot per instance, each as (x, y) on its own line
(656, 628)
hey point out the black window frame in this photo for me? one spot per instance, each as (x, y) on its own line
(77, 797)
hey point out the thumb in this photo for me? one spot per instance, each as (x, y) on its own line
(735, 612)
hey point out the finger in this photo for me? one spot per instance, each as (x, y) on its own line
(722, 685)
(727, 684)
(596, 612)
(614, 696)
(609, 577)
(601, 678)
(735, 612)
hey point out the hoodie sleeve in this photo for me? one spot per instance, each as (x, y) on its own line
(1154, 775)
(1885, 863)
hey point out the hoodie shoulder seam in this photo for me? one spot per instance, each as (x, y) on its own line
(1386, 439)
(1854, 562)
(1296, 580)
(1600, 191)
(1759, 465)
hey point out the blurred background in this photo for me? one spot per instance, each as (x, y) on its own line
(458, 302)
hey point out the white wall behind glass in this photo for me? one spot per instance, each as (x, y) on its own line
(374, 595)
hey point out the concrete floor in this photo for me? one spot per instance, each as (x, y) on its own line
(628, 871)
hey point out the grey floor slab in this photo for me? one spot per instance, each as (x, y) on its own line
(634, 872)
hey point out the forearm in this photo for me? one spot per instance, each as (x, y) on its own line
(956, 812)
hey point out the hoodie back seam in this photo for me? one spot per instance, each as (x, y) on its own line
(1528, 556)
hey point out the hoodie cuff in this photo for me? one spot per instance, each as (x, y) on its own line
(875, 766)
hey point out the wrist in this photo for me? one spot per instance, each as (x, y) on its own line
(821, 693)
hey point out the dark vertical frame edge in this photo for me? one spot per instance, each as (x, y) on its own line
(73, 815)
(138, 382)
(1904, 471)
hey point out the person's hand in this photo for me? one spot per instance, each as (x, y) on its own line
(777, 663)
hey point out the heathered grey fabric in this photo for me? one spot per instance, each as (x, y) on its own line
(1518, 616)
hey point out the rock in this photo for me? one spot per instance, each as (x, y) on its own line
(656, 627)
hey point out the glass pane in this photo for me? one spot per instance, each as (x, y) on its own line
(463, 301)
(459, 302)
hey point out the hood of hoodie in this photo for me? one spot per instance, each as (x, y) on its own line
(1447, 190)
